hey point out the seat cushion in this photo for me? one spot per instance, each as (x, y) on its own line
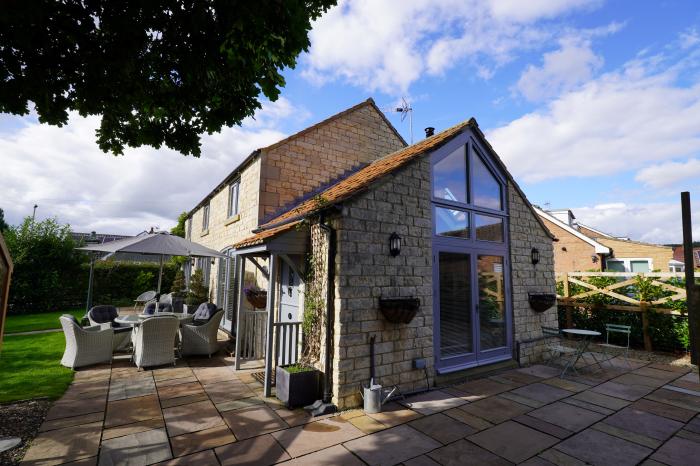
(150, 308)
(103, 314)
(204, 312)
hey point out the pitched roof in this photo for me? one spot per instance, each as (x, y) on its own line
(264, 235)
(239, 168)
(599, 248)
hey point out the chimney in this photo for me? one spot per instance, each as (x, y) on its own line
(429, 131)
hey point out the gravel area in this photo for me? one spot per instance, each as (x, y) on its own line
(21, 419)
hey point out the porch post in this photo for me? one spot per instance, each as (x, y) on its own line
(240, 272)
(271, 287)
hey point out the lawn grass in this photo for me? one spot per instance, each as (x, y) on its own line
(30, 367)
(43, 321)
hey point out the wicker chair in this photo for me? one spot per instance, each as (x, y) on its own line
(85, 346)
(104, 314)
(201, 339)
(143, 298)
(154, 341)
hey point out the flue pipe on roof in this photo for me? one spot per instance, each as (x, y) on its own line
(429, 131)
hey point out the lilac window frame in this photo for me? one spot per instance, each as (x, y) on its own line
(473, 248)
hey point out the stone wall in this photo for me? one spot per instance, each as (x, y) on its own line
(321, 154)
(527, 233)
(365, 272)
(571, 253)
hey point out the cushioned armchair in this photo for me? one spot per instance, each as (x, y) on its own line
(85, 346)
(201, 339)
(104, 314)
(154, 341)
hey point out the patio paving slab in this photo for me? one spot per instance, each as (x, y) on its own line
(334, 456)
(64, 445)
(627, 435)
(139, 449)
(522, 400)
(315, 436)
(421, 460)
(543, 426)
(689, 435)
(393, 414)
(72, 421)
(191, 418)
(122, 389)
(184, 400)
(201, 440)
(495, 409)
(636, 379)
(76, 407)
(542, 392)
(367, 424)
(178, 390)
(258, 451)
(588, 406)
(228, 390)
(560, 458)
(642, 422)
(566, 416)
(211, 375)
(472, 421)
(463, 452)
(169, 373)
(512, 441)
(432, 402)
(694, 425)
(392, 446)
(598, 448)
(601, 400)
(518, 377)
(176, 381)
(442, 428)
(84, 390)
(202, 458)
(669, 367)
(566, 384)
(482, 388)
(624, 391)
(678, 452)
(656, 373)
(681, 400)
(238, 404)
(249, 422)
(686, 384)
(541, 371)
(134, 428)
(132, 410)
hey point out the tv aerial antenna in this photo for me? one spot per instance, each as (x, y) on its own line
(405, 110)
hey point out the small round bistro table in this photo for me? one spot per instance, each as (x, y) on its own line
(584, 339)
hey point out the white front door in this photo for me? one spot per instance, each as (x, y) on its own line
(289, 294)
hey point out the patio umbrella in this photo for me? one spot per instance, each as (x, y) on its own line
(158, 244)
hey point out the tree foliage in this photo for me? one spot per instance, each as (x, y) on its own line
(3, 224)
(179, 229)
(157, 72)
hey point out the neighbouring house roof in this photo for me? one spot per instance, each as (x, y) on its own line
(360, 180)
(599, 248)
(239, 168)
(596, 231)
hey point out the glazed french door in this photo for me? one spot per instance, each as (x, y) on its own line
(471, 307)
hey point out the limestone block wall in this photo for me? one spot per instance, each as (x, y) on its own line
(527, 233)
(365, 272)
(311, 159)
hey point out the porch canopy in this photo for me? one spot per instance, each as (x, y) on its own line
(161, 244)
(287, 242)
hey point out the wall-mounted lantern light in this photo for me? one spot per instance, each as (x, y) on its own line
(535, 256)
(594, 258)
(394, 244)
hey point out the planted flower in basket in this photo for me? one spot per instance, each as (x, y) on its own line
(257, 297)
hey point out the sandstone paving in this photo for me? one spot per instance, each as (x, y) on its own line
(623, 391)
(201, 440)
(134, 428)
(178, 390)
(202, 458)
(600, 399)
(543, 426)
(132, 410)
(392, 446)
(72, 421)
(642, 422)
(183, 400)
(513, 441)
(482, 388)
(256, 420)
(262, 450)
(316, 435)
(76, 407)
(681, 400)
(463, 452)
(495, 409)
(334, 456)
(64, 445)
(191, 418)
(472, 421)
(394, 414)
(678, 452)
(432, 402)
(442, 428)
(595, 447)
(566, 416)
(664, 409)
(160, 383)
(139, 449)
(542, 392)
(367, 424)
(422, 460)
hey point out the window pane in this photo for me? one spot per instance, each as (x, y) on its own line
(233, 199)
(488, 228)
(615, 266)
(450, 222)
(450, 177)
(640, 266)
(487, 189)
(455, 304)
(492, 304)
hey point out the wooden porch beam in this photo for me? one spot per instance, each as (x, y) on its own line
(240, 272)
(271, 288)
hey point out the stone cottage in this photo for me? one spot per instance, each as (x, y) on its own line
(414, 263)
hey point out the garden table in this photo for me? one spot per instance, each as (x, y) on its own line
(584, 339)
(135, 320)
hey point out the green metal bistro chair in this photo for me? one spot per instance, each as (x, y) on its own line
(555, 348)
(616, 328)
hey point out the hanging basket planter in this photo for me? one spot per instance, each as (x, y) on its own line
(540, 302)
(399, 310)
(256, 297)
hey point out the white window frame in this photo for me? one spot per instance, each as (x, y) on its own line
(188, 231)
(205, 217)
(627, 261)
(234, 194)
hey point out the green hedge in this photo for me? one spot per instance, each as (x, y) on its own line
(116, 283)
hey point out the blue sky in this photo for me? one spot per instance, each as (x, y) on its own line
(594, 105)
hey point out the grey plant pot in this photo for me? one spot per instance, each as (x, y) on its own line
(298, 389)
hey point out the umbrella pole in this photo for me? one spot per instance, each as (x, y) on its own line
(160, 273)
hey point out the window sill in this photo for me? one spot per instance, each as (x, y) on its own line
(232, 220)
(204, 233)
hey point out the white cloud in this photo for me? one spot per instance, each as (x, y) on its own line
(675, 175)
(563, 69)
(689, 38)
(658, 223)
(65, 173)
(386, 45)
(620, 121)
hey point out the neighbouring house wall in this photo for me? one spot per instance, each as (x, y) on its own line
(223, 231)
(314, 158)
(365, 272)
(571, 254)
(527, 233)
(621, 249)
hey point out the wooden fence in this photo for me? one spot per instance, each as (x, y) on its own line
(617, 290)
